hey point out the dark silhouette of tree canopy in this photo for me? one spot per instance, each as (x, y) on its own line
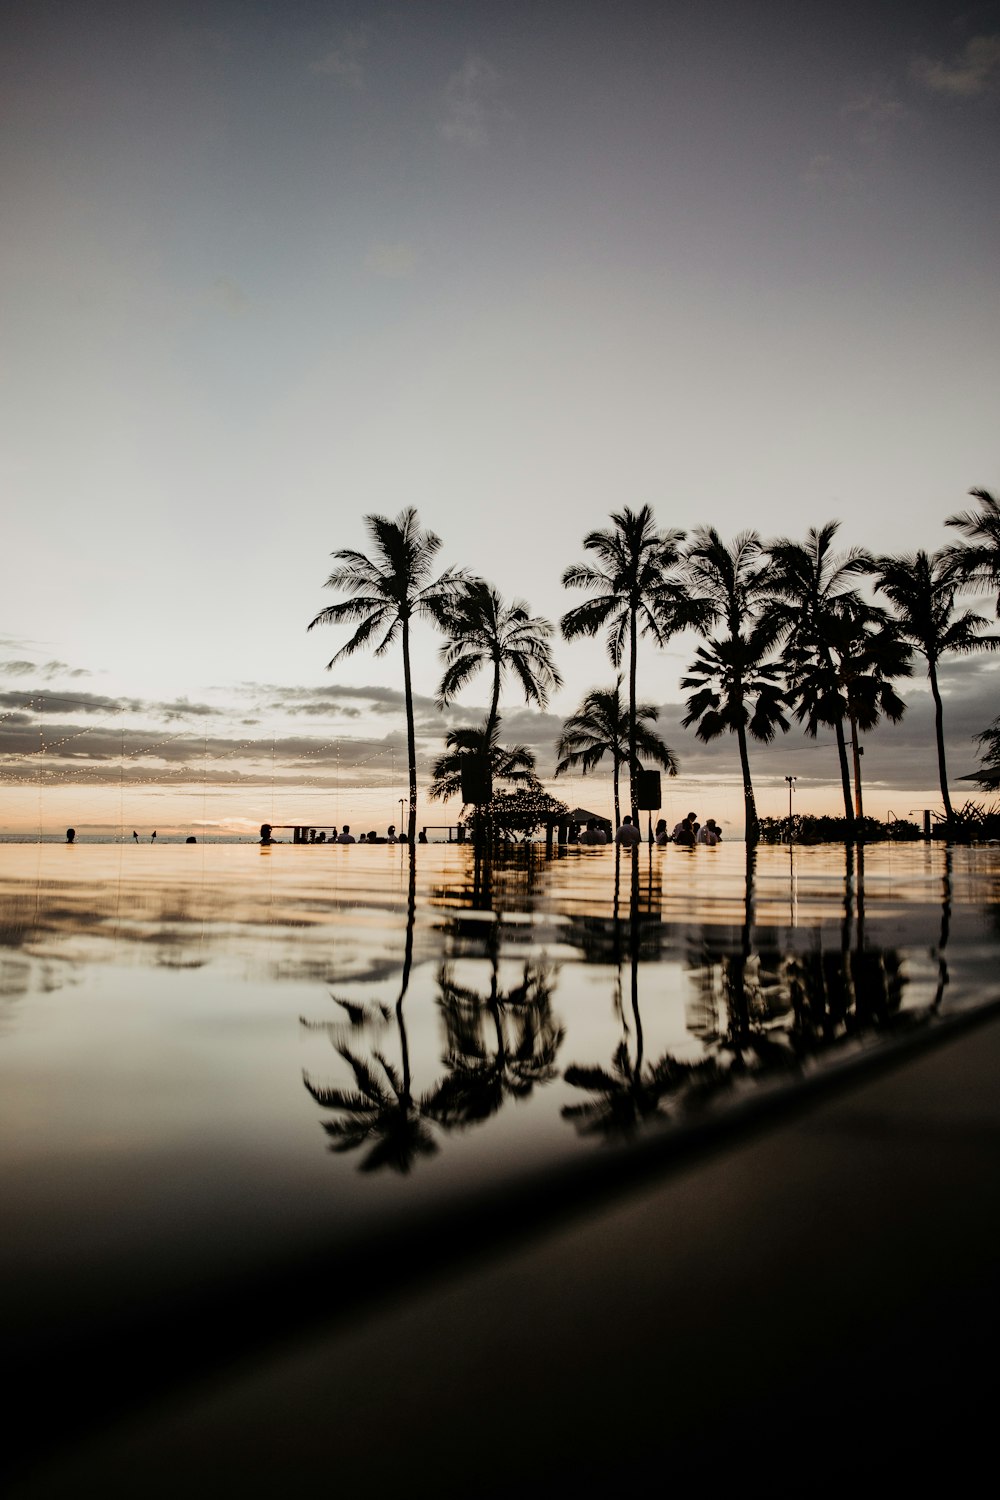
(481, 747)
(735, 687)
(812, 586)
(387, 592)
(978, 561)
(484, 632)
(600, 728)
(635, 594)
(922, 591)
(988, 775)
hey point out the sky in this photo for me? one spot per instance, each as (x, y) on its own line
(268, 268)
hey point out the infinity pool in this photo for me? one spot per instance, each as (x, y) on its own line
(226, 1071)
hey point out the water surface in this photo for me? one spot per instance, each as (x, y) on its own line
(219, 1059)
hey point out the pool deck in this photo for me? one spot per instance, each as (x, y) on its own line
(811, 1304)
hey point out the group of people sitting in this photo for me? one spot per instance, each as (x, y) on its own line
(688, 831)
(345, 836)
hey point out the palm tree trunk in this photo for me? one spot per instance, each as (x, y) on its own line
(491, 721)
(618, 815)
(749, 805)
(633, 756)
(845, 775)
(859, 807)
(491, 718)
(939, 734)
(411, 737)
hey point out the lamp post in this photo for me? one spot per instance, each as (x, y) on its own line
(791, 781)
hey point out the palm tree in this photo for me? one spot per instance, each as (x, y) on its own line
(484, 631)
(481, 746)
(812, 585)
(600, 727)
(851, 678)
(978, 562)
(635, 595)
(386, 594)
(732, 672)
(922, 590)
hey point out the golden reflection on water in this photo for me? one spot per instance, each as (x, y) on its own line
(421, 993)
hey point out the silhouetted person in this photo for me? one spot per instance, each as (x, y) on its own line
(190, 839)
(265, 834)
(684, 830)
(153, 839)
(422, 836)
(628, 834)
(70, 835)
(404, 837)
(347, 837)
(390, 837)
(661, 836)
(135, 836)
(710, 834)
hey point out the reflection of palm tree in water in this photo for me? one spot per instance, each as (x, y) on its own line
(632, 1090)
(750, 986)
(482, 1071)
(381, 1111)
(946, 894)
(854, 988)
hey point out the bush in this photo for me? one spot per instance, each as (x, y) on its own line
(809, 830)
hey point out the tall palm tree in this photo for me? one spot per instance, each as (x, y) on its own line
(600, 727)
(869, 653)
(387, 593)
(635, 595)
(978, 561)
(922, 591)
(812, 587)
(483, 631)
(735, 687)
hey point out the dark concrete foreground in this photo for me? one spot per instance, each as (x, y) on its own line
(813, 1306)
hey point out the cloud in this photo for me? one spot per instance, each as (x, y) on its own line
(875, 117)
(395, 262)
(311, 700)
(974, 72)
(346, 61)
(468, 100)
(47, 671)
(43, 701)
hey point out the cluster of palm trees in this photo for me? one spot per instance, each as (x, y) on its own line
(786, 631)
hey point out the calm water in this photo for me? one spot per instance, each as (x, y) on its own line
(217, 1059)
